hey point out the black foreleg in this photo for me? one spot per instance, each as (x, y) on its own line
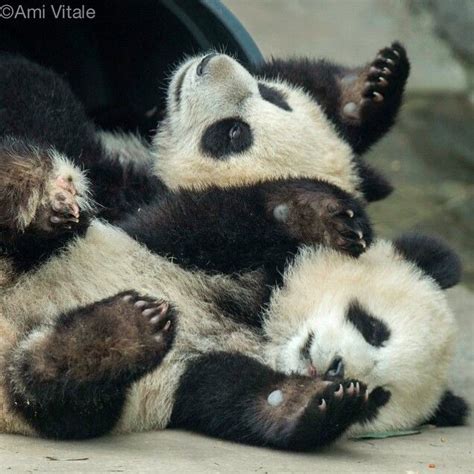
(234, 397)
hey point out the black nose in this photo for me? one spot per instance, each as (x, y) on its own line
(336, 369)
(204, 62)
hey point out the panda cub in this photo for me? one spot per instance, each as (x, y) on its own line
(62, 378)
(227, 126)
(85, 351)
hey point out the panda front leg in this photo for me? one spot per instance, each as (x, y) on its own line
(234, 397)
(42, 194)
(69, 380)
(251, 226)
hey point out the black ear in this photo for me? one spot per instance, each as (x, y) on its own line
(452, 411)
(433, 256)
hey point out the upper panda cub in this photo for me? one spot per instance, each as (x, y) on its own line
(225, 125)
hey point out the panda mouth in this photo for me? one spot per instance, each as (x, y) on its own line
(179, 84)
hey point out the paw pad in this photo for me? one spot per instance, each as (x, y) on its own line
(155, 311)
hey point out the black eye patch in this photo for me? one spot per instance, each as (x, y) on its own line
(226, 137)
(374, 331)
(273, 96)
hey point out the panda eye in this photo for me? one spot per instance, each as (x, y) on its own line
(226, 137)
(374, 331)
(235, 131)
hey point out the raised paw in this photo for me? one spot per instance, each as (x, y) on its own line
(156, 313)
(386, 76)
(347, 228)
(115, 340)
(316, 212)
(60, 210)
(379, 87)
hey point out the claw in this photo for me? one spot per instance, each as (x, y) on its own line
(140, 304)
(378, 97)
(382, 81)
(322, 404)
(339, 392)
(350, 213)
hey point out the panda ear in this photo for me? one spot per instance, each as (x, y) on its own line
(433, 256)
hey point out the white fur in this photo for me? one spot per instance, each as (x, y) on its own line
(412, 364)
(103, 263)
(297, 143)
(62, 167)
(127, 148)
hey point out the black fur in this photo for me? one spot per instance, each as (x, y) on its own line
(433, 256)
(38, 107)
(216, 230)
(226, 137)
(377, 399)
(32, 248)
(74, 384)
(322, 80)
(234, 230)
(452, 411)
(273, 96)
(373, 330)
(210, 401)
(374, 186)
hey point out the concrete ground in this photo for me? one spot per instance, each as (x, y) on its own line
(429, 156)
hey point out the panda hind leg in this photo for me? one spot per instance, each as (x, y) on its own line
(41, 192)
(234, 397)
(371, 96)
(69, 380)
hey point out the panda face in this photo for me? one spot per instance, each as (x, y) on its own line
(378, 319)
(226, 127)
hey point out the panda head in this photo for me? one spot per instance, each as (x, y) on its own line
(382, 319)
(225, 126)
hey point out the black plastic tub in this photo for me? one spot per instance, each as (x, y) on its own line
(117, 62)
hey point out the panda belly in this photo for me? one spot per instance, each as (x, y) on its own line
(103, 263)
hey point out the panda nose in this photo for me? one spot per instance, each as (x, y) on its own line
(204, 62)
(335, 370)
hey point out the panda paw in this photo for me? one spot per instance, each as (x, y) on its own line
(314, 212)
(382, 85)
(60, 211)
(115, 340)
(313, 414)
(387, 75)
(347, 228)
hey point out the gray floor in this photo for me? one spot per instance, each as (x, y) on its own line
(429, 156)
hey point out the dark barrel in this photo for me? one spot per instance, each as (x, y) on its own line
(117, 62)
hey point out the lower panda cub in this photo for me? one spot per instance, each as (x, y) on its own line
(109, 336)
